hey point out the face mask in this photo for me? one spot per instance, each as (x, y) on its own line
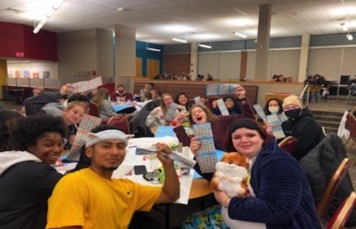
(273, 110)
(293, 113)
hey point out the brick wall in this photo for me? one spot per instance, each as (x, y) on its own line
(176, 63)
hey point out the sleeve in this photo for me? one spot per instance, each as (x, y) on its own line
(246, 109)
(108, 110)
(34, 104)
(146, 196)
(66, 207)
(280, 188)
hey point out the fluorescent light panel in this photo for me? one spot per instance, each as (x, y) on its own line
(205, 46)
(240, 34)
(349, 36)
(179, 40)
(153, 49)
(49, 12)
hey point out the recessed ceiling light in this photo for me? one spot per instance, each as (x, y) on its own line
(120, 9)
(179, 40)
(240, 35)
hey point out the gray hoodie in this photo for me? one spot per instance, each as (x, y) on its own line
(10, 158)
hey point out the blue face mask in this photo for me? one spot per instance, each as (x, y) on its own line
(293, 114)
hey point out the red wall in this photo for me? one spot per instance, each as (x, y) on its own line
(20, 38)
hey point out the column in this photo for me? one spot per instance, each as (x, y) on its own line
(125, 55)
(243, 65)
(262, 48)
(194, 60)
(304, 56)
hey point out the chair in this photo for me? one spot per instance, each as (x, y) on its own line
(351, 122)
(343, 212)
(315, 92)
(94, 110)
(288, 144)
(120, 122)
(331, 187)
(351, 95)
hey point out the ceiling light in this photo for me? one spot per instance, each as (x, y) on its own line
(179, 40)
(204, 46)
(240, 34)
(120, 9)
(349, 37)
(48, 13)
(153, 49)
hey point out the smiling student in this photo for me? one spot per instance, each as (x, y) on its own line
(26, 175)
(95, 200)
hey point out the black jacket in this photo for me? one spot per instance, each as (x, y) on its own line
(307, 132)
(320, 164)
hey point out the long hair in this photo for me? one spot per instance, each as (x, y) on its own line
(100, 96)
(163, 106)
(187, 105)
(209, 115)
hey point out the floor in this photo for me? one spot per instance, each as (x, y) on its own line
(156, 219)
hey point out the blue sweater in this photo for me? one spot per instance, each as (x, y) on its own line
(283, 195)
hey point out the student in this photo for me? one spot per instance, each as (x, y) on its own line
(94, 200)
(121, 94)
(274, 106)
(8, 122)
(72, 115)
(101, 100)
(301, 125)
(280, 194)
(26, 175)
(182, 99)
(231, 104)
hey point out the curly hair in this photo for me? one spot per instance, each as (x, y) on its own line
(8, 121)
(31, 128)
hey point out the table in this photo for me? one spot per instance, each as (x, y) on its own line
(200, 187)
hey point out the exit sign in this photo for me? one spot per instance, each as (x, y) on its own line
(20, 54)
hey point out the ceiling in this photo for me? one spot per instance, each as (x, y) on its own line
(158, 21)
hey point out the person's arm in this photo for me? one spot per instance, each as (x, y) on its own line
(34, 104)
(170, 191)
(246, 108)
(108, 110)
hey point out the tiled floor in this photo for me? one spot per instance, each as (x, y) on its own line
(180, 212)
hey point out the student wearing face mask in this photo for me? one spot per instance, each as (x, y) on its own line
(301, 125)
(274, 106)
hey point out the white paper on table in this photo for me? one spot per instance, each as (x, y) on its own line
(131, 159)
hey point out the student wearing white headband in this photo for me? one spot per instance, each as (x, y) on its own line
(94, 200)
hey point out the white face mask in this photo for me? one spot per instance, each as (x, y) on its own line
(273, 110)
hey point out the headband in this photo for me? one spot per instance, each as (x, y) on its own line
(94, 138)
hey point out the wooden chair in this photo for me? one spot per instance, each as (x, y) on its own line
(343, 212)
(331, 187)
(288, 144)
(94, 110)
(315, 93)
(351, 122)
